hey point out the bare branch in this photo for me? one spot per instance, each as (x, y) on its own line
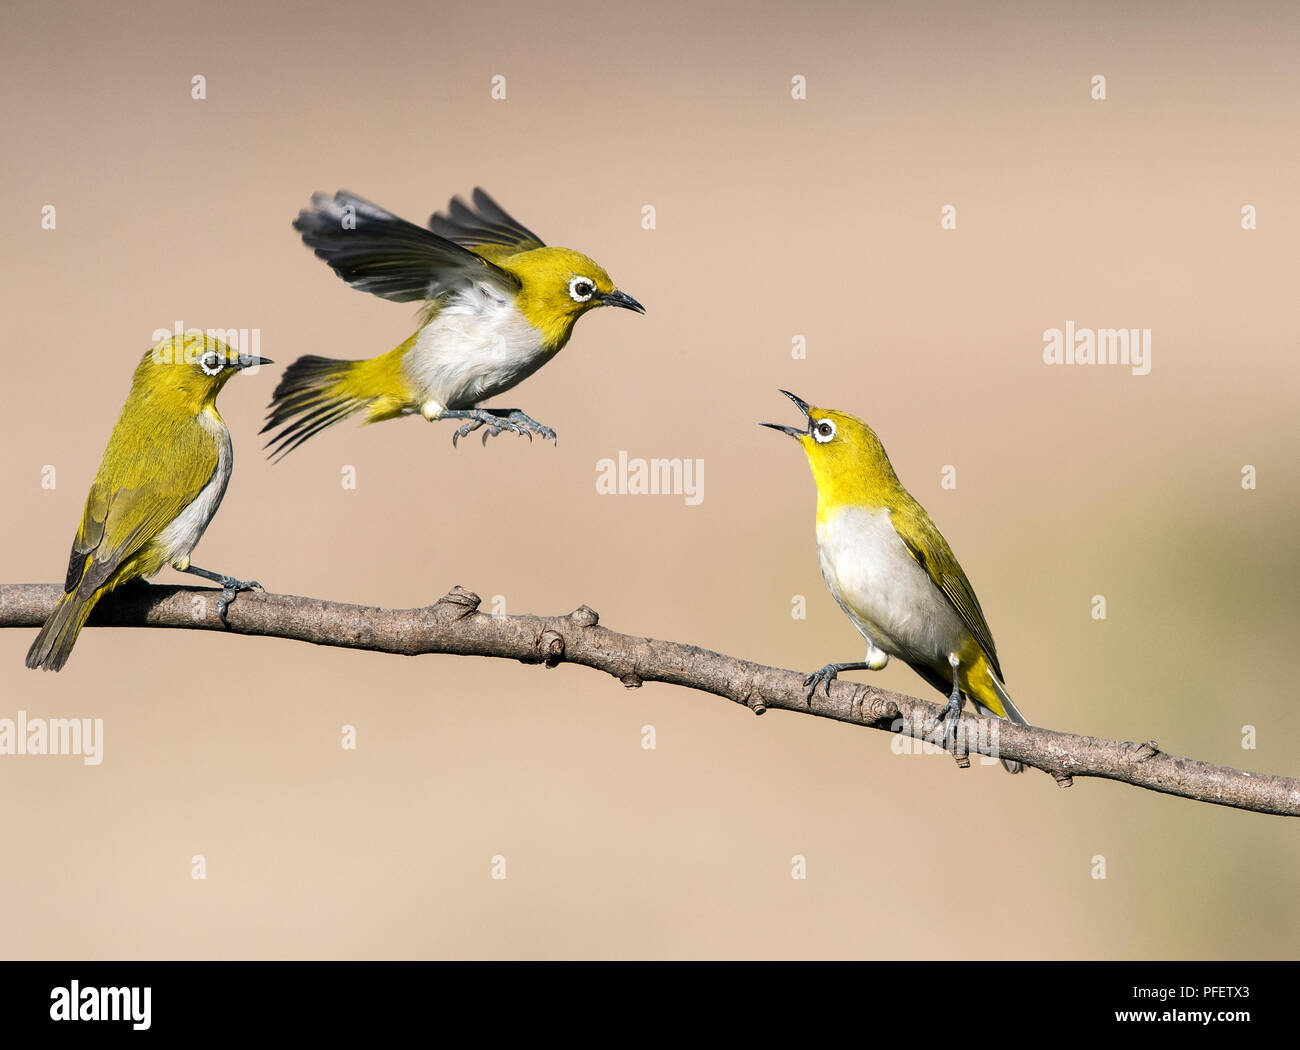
(454, 625)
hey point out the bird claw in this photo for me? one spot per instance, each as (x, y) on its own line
(467, 428)
(514, 421)
(949, 714)
(827, 674)
(527, 425)
(230, 588)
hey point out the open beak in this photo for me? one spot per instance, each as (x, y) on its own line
(803, 407)
(248, 361)
(622, 299)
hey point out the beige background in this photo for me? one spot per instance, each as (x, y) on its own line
(775, 218)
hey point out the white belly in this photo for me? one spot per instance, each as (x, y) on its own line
(890, 599)
(186, 529)
(478, 345)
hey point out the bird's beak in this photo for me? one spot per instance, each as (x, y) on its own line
(622, 299)
(248, 361)
(803, 407)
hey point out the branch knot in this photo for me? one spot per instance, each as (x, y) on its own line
(465, 600)
(550, 648)
(1145, 750)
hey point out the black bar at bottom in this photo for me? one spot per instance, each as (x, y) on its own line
(158, 999)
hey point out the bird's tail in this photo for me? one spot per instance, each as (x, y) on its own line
(54, 644)
(1009, 711)
(317, 392)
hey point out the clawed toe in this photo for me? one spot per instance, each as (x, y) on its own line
(827, 674)
(230, 588)
(949, 715)
(530, 426)
(492, 424)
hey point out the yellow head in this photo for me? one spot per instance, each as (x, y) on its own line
(185, 373)
(848, 461)
(559, 286)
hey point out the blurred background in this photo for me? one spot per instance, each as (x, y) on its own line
(774, 218)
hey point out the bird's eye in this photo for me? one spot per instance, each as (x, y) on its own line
(581, 289)
(211, 363)
(823, 431)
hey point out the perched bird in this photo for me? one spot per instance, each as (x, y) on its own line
(893, 573)
(160, 482)
(498, 304)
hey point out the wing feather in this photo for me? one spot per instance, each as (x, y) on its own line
(157, 469)
(931, 551)
(485, 223)
(374, 250)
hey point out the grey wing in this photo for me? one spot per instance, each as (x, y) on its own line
(374, 250)
(483, 223)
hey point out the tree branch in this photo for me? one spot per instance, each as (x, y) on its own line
(454, 625)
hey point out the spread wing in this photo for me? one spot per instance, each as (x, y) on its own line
(375, 251)
(920, 535)
(482, 224)
(143, 484)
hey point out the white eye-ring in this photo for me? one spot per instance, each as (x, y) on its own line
(211, 363)
(581, 289)
(823, 431)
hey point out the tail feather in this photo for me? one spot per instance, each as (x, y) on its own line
(54, 644)
(311, 396)
(1012, 713)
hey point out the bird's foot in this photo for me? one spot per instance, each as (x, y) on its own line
(827, 674)
(950, 713)
(230, 587)
(481, 417)
(530, 426)
(497, 420)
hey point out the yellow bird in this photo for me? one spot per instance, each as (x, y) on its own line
(893, 573)
(161, 480)
(498, 304)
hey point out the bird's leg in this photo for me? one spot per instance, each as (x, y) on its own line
(229, 586)
(496, 420)
(952, 712)
(829, 673)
